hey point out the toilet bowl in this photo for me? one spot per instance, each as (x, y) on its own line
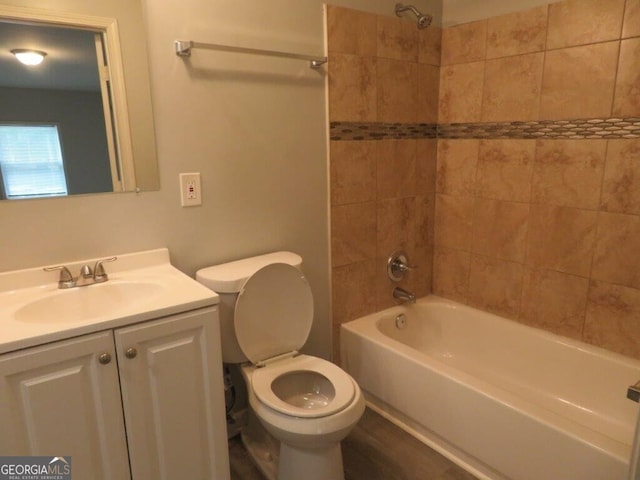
(307, 403)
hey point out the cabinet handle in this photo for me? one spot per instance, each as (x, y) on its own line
(104, 358)
(131, 352)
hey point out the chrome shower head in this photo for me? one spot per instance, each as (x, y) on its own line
(423, 20)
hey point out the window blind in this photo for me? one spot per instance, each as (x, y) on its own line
(31, 161)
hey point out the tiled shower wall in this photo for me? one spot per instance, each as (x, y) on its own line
(383, 70)
(534, 219)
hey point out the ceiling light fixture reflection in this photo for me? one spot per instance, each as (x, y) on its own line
(29, 57)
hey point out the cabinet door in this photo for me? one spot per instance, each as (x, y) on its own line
(171, 376)
(59, 400)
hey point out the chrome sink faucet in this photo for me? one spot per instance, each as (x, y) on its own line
(87, 276)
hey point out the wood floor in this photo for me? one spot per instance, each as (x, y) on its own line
(375, 450)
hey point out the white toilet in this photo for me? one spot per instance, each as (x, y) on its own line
(308, 404)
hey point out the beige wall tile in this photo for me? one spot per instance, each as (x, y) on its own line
(428, 93)
(631, 25)
(613, 318)
(517, 33)
(353, 291)
(578, 22)
(579, 82)
(500, 229)
(353, 233)
(397, 83)
(396, 225)
(627, 97)
(426, 164)
(554, 301)
(512, 88)
(397, 39)
(456, 166)
(495, 285)
(353, 171)
(569, 172)
(461, 92)
(352, 88)
(424, 273)
(351, 31)
(561, 238)
(425, 220)
(505, 168)
(617, 252)
(396, 168)
(464, 43)
(621, 186)
(451, 273)
(430, 45)
(453, 221)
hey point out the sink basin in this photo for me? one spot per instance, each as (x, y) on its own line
(142, 286)
(82, 303)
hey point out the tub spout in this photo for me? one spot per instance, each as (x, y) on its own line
(404, 296)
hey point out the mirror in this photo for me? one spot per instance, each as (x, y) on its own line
(66, 126)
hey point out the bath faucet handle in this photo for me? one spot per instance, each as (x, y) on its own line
(66, 280)
(397, 265)
(99, 274)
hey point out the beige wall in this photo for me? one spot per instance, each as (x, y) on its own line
(464, 11)
(541, 231)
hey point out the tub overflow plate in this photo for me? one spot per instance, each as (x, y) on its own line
(401, 321)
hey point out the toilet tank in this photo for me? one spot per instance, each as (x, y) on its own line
(227, 280)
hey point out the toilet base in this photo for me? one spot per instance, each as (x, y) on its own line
(279, 461)
(261, 446)
(310, 464)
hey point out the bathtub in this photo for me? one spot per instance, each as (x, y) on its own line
(500, 399)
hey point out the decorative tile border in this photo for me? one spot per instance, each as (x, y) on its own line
(599, 128)
(381, 131)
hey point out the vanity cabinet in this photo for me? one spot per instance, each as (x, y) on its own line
(142, 402)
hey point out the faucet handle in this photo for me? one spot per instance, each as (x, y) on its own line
(99, 274)
(86, 272)
(66, 280)
(397, 265)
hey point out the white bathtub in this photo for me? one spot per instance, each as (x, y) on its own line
(503, 400)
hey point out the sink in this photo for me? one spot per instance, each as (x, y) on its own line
(141, 286)
(82, 303)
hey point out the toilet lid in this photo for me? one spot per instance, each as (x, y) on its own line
(274, 312)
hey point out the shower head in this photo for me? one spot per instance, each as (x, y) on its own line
(423, 20)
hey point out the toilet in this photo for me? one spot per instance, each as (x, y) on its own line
(304, 405)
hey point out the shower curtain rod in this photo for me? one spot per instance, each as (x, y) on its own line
(183, 49)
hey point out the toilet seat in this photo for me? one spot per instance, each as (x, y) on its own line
(272, 320)
(262, 384)
(273, 312)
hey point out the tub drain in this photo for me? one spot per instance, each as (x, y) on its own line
(401, 321)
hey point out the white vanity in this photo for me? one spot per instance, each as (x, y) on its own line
(124, 376)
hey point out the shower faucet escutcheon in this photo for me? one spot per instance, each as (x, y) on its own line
(398, 265)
